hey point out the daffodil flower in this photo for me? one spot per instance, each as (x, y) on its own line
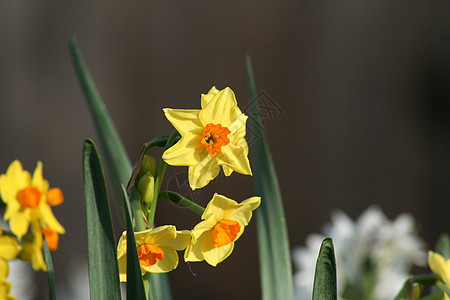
(28, 198)
(439, 265)
(224, 222)
(210, 138)
(156, 249)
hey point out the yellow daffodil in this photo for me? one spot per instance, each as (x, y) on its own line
(28, 198)
(224, 221)
(439, 265)
(156, 249)
(5, 286)
(210, 138)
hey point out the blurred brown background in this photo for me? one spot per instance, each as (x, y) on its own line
(362, 89)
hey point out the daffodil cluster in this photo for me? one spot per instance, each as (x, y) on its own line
(28, 200)
(204, 140)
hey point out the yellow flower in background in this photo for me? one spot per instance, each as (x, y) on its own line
(28, 198)
(210, 138)
(156, 249)
(224, 222)
(5, 286)
(441, 267)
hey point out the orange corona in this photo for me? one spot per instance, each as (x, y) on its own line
(225, 232)
(149, 254)
(215, 136)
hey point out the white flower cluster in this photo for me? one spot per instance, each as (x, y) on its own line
(373, 255)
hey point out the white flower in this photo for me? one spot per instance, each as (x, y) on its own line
(391, 247)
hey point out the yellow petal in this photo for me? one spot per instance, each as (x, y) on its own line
(193, 251)
(9, 247)
(184, 120)
(167, 264)
(12, 208)
(179, 243)
(222, 109)
(185, 152)
(206, 98)
(155, 236)
(13, 181)
(242, 212)
(4, 269)
(216, 207)
(237, 129)
(214, 255)
(235, 158)
(47, 216)
(38, 179)
(19, 224)
(206, 170)
(437, 264)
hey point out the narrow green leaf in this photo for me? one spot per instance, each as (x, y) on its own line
(273, 241)
(118, 162)
(135, 286)
(50, 271)
(325, 276)
(102, 260)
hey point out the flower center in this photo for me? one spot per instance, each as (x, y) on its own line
(215, 136)
(149, 255)
(225, 232)
(30, 197)
(55, 196)
(51, 237)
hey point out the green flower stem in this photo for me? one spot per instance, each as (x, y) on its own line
(178, 199)
(158, 179)
(159, 141)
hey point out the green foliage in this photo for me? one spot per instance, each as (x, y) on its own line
(135, 286)
(50, 270)
(117, 160)
(102, 260)
(273, 242)
(325, 275)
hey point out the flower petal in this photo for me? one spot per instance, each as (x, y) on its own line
(167, 264)
(235, 158)
(206, 98)
(216, 207)
(221, 109)
(47, 216)
(38, 179)
(179, 243)
(203, 172)
(184, 120)
(156, 235)
(242, 212)
(214, 255)
(19, 223)
(185, 152)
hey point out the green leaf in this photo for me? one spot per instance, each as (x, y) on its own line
(273, 241)
(443, 245)
(409, 291)
(102, 260)
(50, 271)
(444, 288)
(117, 160)
(325, 276)
(135, 286)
